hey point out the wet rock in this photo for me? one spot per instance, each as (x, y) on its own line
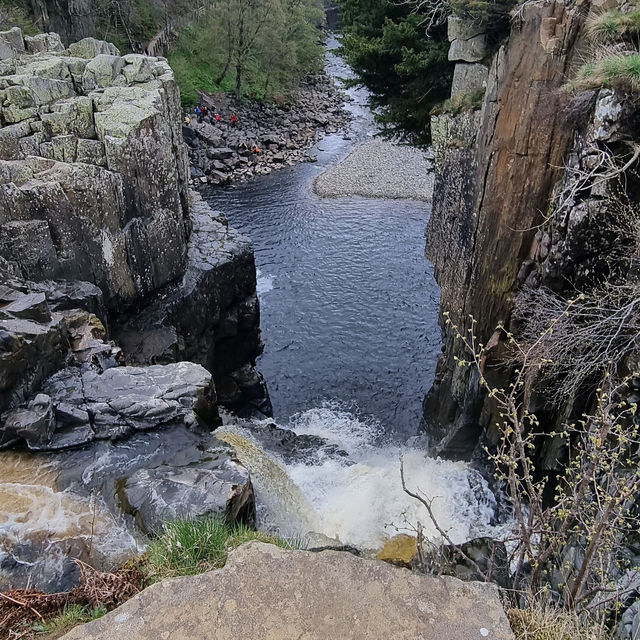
(212, 317)
(290, 446)
(115, 402)
(156, 496)
(34, 425)
(31, 348)
(267, 592)
(399, 550)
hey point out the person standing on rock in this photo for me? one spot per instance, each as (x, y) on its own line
(234, 120)
(218, 117)
(198, 113)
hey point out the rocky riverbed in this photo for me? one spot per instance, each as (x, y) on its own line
(266, 137)
(380, 169)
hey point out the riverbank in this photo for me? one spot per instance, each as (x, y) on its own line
(266, 137)
(379, 169)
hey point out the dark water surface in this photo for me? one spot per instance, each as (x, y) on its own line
(349, 302)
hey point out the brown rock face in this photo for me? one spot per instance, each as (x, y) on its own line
(491, 191)
(267, 593)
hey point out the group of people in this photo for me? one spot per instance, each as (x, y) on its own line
(203, 115)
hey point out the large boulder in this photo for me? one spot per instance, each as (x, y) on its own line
(90, 404)
(267, 592)
(159, 495)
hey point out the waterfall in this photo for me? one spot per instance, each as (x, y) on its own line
(358, 498)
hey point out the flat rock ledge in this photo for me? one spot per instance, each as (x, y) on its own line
(267, 593)
(379, 169)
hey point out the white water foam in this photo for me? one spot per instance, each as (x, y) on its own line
(359, 499)
(264, 282)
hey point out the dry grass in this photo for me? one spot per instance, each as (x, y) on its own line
(542, 621)
(21, 609)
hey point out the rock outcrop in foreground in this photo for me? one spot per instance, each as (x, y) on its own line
(266, 592)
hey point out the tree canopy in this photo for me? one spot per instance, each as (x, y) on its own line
(405, 68)
(255, 48)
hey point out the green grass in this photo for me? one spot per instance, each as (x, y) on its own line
(72, 616)
(614, 26)
(191, 546)
(618, 71)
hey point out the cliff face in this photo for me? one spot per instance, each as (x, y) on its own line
(495, 174)
(93, 190)
(95, 167)
(127, 306)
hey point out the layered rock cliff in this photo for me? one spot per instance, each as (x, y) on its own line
(93, 187)
(496, 169)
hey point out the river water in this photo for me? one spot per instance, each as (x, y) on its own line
(349, 302)
(349, 319)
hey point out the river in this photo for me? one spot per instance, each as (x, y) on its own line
(349, 308)
(349, 303)
(349, 319)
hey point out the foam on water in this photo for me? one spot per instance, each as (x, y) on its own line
(264, 282)
(34, 513)
(359, 498)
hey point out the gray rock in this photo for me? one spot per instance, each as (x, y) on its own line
(102, 71)
(468, 78)
(44, 42)
(267, 592)
(89, 48)
(472, 50)
(156, 496)
(34, 425)
(11, 43)
(121, 400)
(33, 344)
(463, 29)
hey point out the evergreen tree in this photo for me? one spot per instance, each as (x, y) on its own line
(405, 69)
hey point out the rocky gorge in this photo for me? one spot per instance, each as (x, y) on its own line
(525, 216)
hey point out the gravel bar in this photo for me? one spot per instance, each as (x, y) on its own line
(379, 169)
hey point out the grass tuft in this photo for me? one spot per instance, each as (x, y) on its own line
(613, 26)
(617, 71)
(191, 546)
(460, 103)
(71, 616)
(543, 621)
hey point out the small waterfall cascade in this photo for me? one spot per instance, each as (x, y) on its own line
(355, 494)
